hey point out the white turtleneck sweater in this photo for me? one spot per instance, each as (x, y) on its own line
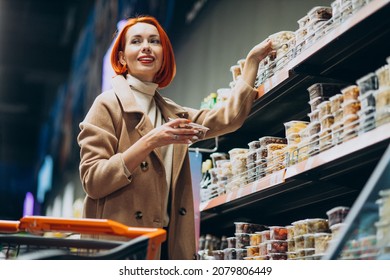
(144, 93)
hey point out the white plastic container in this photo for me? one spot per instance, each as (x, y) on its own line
(337, 215)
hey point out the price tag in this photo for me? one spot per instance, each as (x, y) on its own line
(267, 85)
(263, 182)
(239, 192)
(291, 171)
(273, 179)
(254, 187)
(277, 177)
(309, 163)
(280, 176)
(229, 196)
(202, 205)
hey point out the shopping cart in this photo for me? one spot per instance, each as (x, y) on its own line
(28, 239)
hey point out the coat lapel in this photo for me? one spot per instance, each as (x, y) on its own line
(130, 106)
(168, 110)
(179, 151)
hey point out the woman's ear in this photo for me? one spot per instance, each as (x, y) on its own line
(122, 58)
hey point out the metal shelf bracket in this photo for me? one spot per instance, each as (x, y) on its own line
(205, 150)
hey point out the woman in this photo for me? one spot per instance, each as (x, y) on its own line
(134, 159)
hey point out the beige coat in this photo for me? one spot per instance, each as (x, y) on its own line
(113, 123)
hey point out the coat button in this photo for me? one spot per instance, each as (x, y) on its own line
(144, 165)
(182, 211)
(138, 215)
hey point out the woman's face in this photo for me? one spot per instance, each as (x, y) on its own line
(143, 52)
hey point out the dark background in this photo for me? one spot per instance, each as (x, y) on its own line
(38, 55)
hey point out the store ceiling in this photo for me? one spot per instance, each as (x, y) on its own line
(37, 38)
(36, 41)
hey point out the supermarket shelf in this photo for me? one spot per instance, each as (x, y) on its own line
(348, 148)
(372, 17)
(319, 179)
(265, 182)
(347, 52)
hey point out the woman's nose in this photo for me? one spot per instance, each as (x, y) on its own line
(146, 46)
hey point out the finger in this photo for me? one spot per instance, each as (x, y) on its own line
(179, 122)
(186, 131)
(185, 139)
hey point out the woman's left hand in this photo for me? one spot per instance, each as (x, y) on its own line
(176, 131)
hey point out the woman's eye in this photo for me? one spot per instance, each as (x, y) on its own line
(138, 41)
(155, 41)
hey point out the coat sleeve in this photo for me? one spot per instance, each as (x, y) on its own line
(229, 117)
(102, 170)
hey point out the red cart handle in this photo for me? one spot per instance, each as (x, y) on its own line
(9, 226)
(40, 224)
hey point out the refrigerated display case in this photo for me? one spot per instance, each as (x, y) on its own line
(337, 176)
(366, 230)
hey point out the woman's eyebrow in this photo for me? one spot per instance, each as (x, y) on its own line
(151, 35)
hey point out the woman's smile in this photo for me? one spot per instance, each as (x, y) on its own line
(146, 59)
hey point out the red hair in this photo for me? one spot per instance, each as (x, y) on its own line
(168, 68)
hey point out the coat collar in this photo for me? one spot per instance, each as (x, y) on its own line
(126, 97)
(147, 88)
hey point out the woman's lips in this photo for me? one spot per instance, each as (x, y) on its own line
(146, 59)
